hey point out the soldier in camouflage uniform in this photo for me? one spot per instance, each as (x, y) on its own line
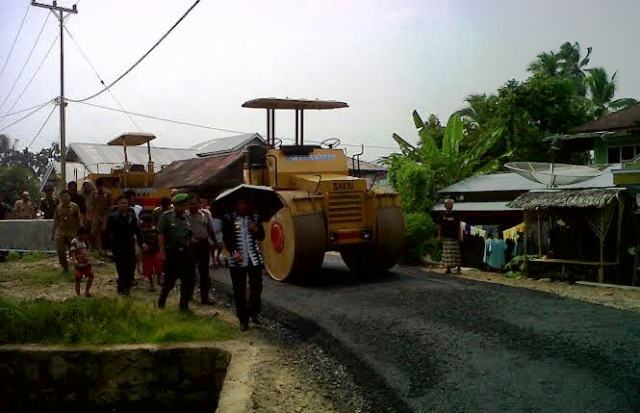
(66, 222)
(174, 237)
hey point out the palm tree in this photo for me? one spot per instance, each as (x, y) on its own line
(571, 62)
(568, 61)
(546, 63)
(602, 90)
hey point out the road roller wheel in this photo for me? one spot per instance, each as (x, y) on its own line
(294, 247)
(384, 250)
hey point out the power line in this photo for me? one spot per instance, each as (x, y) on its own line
(95, 71)
(177, 122)
(26, 109)
(34, 75)
(15, 39)
(139, 60)
(41, 128)
(25, 63)
(215, 128)
(25, 116)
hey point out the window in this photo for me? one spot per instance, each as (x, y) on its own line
(627, 153)
(613, 155)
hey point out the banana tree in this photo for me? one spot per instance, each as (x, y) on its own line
(455, 160)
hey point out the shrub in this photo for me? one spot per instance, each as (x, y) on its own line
(515, 267)
(420, 231)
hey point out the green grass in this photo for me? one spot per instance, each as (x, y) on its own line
(32, 256)
(40, 277)
(103, 321)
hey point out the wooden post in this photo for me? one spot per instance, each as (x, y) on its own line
(525, 264)
(619, 236)
(539, 235)
(602, 238)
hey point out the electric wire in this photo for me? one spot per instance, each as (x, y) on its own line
(26, 109)
(26, 62)
(216, 128)
(33, 76)
(41, 128)
(139, 60)
(95, 71)
(177, 122)
(37, 109)
(15, 39)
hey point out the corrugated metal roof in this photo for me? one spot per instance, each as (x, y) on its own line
(574, 198)
(100, 158)
(508, 181)
(75, 171)
(513, 182)
(228, 144)
(477, 207)
(199, 171)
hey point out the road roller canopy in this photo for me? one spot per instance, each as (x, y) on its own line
(294, 104)
(132, 139)
(299, 105)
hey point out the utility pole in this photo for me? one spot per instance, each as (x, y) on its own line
(61, 13)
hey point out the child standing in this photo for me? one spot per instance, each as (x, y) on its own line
(80, 260)
(151, 258)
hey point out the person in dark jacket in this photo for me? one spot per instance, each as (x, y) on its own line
(241, 231)
(77, 199)
(49, 203)
(174, 238)
(122, 229)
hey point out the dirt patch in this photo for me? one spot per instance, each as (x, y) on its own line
(612, 297)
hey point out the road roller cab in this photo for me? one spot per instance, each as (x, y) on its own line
(127, 175)
(326, 209)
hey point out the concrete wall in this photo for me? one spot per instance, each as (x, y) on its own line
(121, 378)
(26, 234)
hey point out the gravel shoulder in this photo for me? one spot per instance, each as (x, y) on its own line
(611, 297)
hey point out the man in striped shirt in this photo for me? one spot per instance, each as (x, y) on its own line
(241, 232)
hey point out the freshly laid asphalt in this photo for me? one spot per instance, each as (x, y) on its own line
(434, 343)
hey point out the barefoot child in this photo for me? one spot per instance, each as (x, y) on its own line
(78, 254)
(151, 258)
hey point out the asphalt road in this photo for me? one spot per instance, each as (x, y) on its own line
(432, 343)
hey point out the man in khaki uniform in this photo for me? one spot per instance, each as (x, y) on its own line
(66, 222)
(24, 208)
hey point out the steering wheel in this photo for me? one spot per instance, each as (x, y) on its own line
(330, 143)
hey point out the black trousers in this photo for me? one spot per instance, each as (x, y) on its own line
(201, 256)
(178, 265)
(245, 309)
(125, 259)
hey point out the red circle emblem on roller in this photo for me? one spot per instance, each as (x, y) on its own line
(277, 236)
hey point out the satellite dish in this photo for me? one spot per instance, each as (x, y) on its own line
(554, 174)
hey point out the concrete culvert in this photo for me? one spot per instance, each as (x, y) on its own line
(130, 378)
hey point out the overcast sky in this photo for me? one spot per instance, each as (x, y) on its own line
(385, 58)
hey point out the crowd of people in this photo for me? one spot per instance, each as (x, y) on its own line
(180, 239)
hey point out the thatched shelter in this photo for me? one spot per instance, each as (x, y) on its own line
(573, 212)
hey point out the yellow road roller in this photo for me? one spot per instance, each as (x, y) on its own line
(326, 209)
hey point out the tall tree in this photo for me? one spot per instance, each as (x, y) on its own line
(602, 90)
